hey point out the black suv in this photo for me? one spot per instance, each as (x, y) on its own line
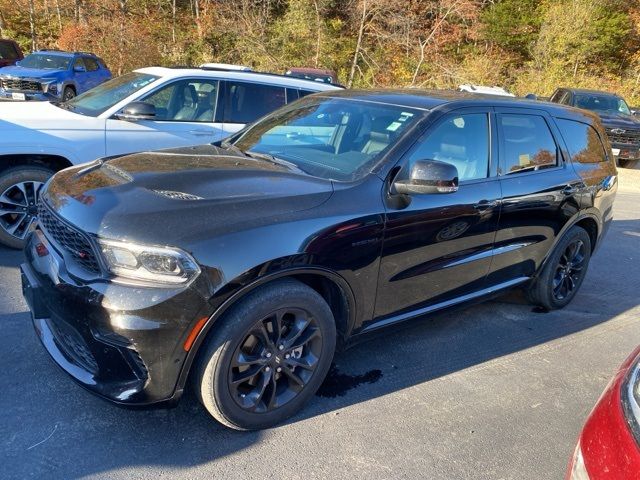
(245, 264)
(620, 123)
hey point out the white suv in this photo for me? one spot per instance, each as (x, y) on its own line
(148, 109)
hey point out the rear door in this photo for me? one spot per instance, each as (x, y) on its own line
(540, 192)
(246, 102)
(186, 111)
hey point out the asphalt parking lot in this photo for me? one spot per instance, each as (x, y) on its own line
(496, 391)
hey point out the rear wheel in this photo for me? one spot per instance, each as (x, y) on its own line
(268, 356)
(564, 272)
(19, 193)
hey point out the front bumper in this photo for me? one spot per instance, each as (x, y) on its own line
(122, 342)
(623, 151)
(17, 95)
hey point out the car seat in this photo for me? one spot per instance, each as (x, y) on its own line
(189, 104)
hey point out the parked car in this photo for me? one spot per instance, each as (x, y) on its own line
(148, 109)
(486, 90)
(52, 75)
(10, 52)
(608, 447)
(622, 126)
(244, 265)
(315, 74)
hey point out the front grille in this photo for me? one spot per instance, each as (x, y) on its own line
(76, 244)
(629, 137)
(21, 85)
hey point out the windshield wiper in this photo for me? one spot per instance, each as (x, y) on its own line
(273, 159)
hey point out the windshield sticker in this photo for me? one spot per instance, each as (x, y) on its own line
(394, 126)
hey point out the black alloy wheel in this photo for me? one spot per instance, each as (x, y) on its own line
(563, 274)
(275, 360)
(267, 356)
(569, 270)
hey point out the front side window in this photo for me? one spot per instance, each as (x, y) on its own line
(583, 141)
(186, 101)
(247, 102)
(79, 63)
(101, 98)
(527, 143)
(462, 141)
(46, 62)
(329, 138)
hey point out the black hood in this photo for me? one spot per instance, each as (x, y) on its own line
(619, 120)
(203, 189)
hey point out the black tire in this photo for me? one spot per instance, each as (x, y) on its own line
(629, 163)
(14, 182)
(251, 404)
(68, 93)
(564, 273)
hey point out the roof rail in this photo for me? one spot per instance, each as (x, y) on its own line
(225, 67)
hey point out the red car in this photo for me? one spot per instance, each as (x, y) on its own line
(609, 445)
(10, 52)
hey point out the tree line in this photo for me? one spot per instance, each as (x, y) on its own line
(526, 46)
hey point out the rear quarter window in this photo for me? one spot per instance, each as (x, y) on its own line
(583, 141)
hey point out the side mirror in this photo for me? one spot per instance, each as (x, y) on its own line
(137, 111)
(79, 69)
(429, 176)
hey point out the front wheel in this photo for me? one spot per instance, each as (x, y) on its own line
(268, 356)
(564, 272)
(19, 193)
(68, 94)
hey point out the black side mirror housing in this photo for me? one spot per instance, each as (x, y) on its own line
(137, 111)
(428, 176)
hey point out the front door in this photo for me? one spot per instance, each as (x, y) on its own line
(185, 116)
(439, 246)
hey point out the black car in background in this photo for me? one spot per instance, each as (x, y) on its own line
(244, 265)
(622, 126)
(10, 52)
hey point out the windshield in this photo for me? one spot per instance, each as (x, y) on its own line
(103, 97)
(602, 103)
(330, 138)
(47, 62)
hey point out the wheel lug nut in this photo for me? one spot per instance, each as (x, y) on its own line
(281, 347)
(287, 356)
(268, 355)
(267, 369)
(279, 369)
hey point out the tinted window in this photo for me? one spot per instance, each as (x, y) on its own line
(583, 141)
(91, 64)
(79, 63)
(527, 143)
(329, 138)
(463, 141)
(304, 93)
(246, 102)
(185, 101)
(7, 51)
(556, 96)
(292, 95)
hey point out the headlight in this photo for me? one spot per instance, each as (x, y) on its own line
(50, 86)
(578, 469)
(151, 264)
(631, 399)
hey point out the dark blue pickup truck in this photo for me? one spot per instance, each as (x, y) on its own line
(52, 75)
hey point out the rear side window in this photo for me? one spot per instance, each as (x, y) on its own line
(583, 142)
(527, 143)
(7, 51)
(246, 102)
(91, 64)
(304, 93)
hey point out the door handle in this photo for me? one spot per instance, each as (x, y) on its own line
(486, 204)
(201, 133)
